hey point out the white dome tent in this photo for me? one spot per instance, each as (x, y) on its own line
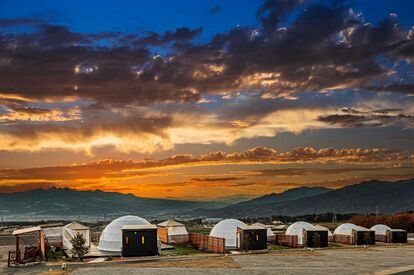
(227, 229)
(174, 228)
(346, 229)
(380, 229)
(297, 229)
(111, 238)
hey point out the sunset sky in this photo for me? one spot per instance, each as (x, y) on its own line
(205, 99)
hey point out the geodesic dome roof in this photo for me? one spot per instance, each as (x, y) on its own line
(227, 229)
(346, 229)
(380, 229)
(111, 238)
(297, 228)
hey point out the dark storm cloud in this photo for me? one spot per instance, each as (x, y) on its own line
(59, 36)
(13, 22)
(397, 88)
(179, 35)
(272, 12)
(344, 120)
(376, 118)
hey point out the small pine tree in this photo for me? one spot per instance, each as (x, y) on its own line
(78, 246)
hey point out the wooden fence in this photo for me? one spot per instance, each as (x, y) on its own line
(287, 240)
(343, 239)
(382, 238)
(208, 243)
(162, 234)
(271, 239)
(172, 239)
(179, 239)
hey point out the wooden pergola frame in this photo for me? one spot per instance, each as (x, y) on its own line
(15, 256)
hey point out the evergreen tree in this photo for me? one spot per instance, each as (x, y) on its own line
(78, 246)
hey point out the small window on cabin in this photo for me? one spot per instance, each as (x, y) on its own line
(142, 239)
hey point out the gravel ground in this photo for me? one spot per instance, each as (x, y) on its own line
(373, 260)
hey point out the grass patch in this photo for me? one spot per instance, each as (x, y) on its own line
(277, 247)
(334, 245)
(199, 230)
(181, 251)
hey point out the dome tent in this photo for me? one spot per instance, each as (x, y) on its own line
(349, 233)
(111, 238)
(227, 229)
(384, 233)
(380, 229)
(174, 228)
(346, 229)
(297, 229)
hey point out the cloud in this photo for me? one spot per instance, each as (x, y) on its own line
(12, 22)
(397, 88)
(214, 10)
(325, 47)
(184, 175)
(217, 179)
(41, 114)
(375, 118)
(405, 138)
(310, 171)
(280, 76)
(271, 12)
(182, 34)
(108, 167)
(142, 134)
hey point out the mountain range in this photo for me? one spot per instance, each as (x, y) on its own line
(63, 202)
(366, 197)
